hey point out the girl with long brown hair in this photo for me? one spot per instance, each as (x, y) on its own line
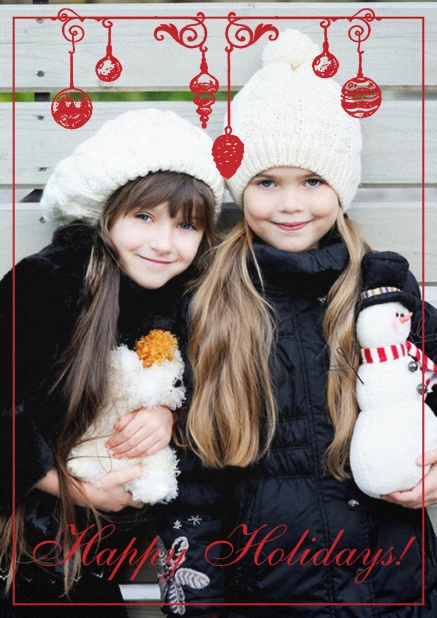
(139, 200)
(268, 510)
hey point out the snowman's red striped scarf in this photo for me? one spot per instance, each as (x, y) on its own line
(393, 352)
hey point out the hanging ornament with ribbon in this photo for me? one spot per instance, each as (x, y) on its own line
(204, 86)
(109, 68)
(228, 149)
(326, 64)
(72, 107)
(360, 96)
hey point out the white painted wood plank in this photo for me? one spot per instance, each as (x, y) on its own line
(432, 510)
(398, 227)
(388, 227)
(392, 53)
(140, 592)
(30, 234)
(392, 138)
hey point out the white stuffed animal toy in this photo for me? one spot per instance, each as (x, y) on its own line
(148, 376)
(387, 437)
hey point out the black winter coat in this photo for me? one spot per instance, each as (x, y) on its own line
(284, 529)
(49, 297)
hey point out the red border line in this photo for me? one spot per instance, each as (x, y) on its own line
(13, 557)
(219, 17)
(193, 18)
(423, 304)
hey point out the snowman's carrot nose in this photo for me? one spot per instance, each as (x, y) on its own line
(405, 318)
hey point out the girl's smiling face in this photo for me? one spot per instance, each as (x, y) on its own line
(290, 208)
(153, 247)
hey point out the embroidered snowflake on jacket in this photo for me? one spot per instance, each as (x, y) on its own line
(172, 586)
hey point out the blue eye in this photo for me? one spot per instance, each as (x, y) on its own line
(186, 226)
(266, 184)
(142, 216)
(313, 182)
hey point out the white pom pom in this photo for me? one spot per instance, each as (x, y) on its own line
(293, 48)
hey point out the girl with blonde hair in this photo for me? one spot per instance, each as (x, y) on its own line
(268, 511)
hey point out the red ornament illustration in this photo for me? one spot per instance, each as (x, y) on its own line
(244, 36)
(204, 85)
(360, 96)
(325, 65)
(72, 107)
(228, 151)
(108, 69)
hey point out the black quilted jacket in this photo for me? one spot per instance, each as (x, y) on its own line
(49, 297)
(300, 525)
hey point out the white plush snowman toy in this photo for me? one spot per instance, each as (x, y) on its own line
(387, 437)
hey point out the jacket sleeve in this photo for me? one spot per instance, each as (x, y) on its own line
(33, 325)
(188, 525)
(424, 330)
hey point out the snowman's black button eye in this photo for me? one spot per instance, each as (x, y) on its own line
(402, 315)
(397, 314)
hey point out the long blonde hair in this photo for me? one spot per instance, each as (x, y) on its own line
(82, 381)
(231, 334)
(231, 337)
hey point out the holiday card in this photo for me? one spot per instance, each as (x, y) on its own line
(67, 69)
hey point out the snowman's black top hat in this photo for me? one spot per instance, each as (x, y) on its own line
(384, 280)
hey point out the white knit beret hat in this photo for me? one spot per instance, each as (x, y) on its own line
(125, 148)
(287, 116)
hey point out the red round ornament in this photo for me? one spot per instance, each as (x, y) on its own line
(108, 69)
(228, 151)
(325, 65)
(361, 97)
(72, 108)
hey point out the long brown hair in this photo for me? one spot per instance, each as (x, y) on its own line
(81, 381)
(232, 333)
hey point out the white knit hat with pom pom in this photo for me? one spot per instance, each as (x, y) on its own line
(127, 147)
(287, 116)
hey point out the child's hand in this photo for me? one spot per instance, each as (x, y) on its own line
(141, 433)
(413, 499)
(109, 494)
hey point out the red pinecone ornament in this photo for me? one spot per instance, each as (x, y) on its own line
(228, 151)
